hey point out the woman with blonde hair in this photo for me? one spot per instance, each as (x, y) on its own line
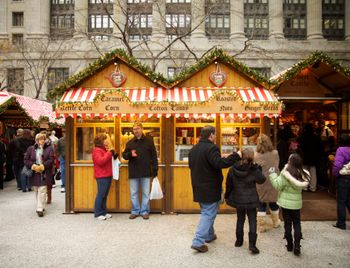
(39, 158)
(267, 157)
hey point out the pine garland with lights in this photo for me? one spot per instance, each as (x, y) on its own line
(317, 56)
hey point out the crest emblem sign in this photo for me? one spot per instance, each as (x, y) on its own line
(117, 78)
(218, 78)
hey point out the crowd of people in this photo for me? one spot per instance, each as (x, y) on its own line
(258, 182)
(32, 159)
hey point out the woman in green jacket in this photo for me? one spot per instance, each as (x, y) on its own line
(289, 184)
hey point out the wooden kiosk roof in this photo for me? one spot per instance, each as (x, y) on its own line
(145, 92)
(327, 76)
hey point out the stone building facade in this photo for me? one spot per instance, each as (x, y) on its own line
(43, 42)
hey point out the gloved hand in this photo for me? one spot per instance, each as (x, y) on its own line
(35, 167)
(41, 168)
(271, 170)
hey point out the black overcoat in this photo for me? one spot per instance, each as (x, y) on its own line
(206, 163)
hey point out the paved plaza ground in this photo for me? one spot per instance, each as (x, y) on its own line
(59, 240)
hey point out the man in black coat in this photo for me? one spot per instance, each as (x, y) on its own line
(142, 166)
(206, 163)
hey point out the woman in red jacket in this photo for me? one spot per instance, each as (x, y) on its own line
(102, 157)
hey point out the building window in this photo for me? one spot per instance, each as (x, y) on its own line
(139, 37)
(139, 1)
(62, 2)
(56, 76)
(100, 1)
(100, 22)
(172, 71)
(217, 23)
(263, 71)
(17, 19)
(15, 80)
(17, 39)
(294, 14)
(333, 17)
(178, 18)
(98, 37)
(140, 21)
(256, 17)
(62, 19)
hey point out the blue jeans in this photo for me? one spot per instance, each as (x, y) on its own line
(205, 229)
(62, 169)
(103, 185)
(343, 199)
(135, 183)
(262, 206)
(25, 184)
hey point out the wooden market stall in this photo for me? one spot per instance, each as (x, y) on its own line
(313, 90)
(115, 91)
(18, 111)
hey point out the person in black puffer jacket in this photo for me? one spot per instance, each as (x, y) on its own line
(241, 193)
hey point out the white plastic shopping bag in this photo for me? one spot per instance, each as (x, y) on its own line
(156, 190)
(115, 168)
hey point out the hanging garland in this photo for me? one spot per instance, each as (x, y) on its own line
(317, 56)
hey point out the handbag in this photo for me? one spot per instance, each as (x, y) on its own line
(26, 171)
(345, 169)
(156, 190)
(115, 168)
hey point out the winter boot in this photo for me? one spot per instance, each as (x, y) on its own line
(289, 239)
(239, 239)
(276, 222)
(252, 243)
(262, 222)
(297, 245)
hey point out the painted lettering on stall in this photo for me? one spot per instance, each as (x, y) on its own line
(225, 108)
(157, 108)
(112, 108)
(252, 108)
(179, 108)
(112, 99)
(226, 98)
(85, 108)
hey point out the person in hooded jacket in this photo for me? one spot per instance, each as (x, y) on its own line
(342, 157)
(241, 193)
(40, 158)
(289, 184)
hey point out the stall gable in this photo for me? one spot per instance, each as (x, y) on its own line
(305, 84)
(234, 77)
(133, 78)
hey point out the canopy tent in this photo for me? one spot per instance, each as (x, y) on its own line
(25, 110)
(178, 101)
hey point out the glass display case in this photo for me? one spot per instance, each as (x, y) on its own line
(237, 136)
(187, 133)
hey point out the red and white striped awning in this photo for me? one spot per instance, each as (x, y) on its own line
(183, 94)
(178, 94)
(135, 94)
(33, 107)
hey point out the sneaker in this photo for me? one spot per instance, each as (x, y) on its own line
(101, 218)
(63, 190)
(108, 216)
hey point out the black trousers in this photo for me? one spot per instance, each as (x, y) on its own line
(251, 213)
(292, 217)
